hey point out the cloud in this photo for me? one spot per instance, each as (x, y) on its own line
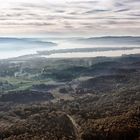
(96, 11)
(82, 17)
(123, 10)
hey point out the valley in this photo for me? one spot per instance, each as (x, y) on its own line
(70, 99)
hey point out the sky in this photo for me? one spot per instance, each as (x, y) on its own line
(69, 17)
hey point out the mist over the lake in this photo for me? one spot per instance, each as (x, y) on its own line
(99, 46)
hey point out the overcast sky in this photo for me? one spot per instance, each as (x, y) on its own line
(69, 17)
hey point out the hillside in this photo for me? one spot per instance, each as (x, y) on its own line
(70, 99)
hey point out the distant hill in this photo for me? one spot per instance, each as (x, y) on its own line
(32, 41)
(111, 40)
